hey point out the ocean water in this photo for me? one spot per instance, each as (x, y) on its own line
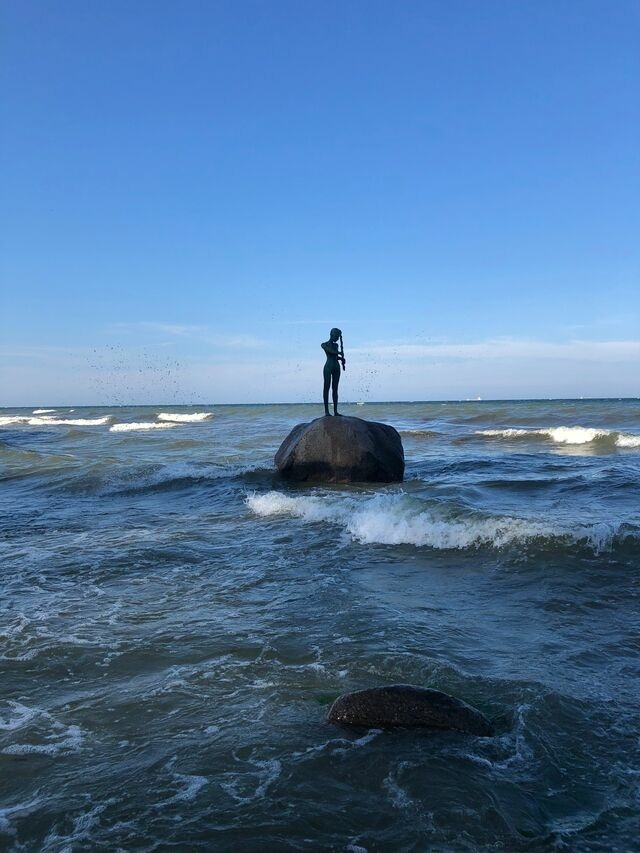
(175, 621)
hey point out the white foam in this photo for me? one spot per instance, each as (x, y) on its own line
(393, 525)
(506, 433)
(69, 740)
(140, 425)
(195, 417)
(48, 421)
(566, 435)
(189, 790)
(267, 772)
(72, 421)
(397, 519)
(43, 411)
(628, 440)
(575, 435)
(560, 435)
(19, 716)
(400, 798)
(8, 420)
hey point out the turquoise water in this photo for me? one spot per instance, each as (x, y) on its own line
(175, 621)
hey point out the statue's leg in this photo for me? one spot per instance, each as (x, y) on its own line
(336, 382)
(325, 390)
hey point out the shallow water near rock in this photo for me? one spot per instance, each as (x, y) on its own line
(175, 621)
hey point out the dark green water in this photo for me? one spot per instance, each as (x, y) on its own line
(174, 622)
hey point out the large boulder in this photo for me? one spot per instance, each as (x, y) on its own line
(341, 449)
(403, 705)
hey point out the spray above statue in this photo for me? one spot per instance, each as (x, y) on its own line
(335, 358)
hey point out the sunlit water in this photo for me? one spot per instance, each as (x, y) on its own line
(175, 620)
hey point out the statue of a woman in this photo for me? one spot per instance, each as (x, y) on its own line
(335, 356)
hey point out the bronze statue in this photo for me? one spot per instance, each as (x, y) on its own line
(335, 357)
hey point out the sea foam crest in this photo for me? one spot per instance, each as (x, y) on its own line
(42, 411)
(71, 421)
(628, 440)
(399, 520)
(140, 425)
(9, 420)
(566, 435)
(194, 417)
(574, 435)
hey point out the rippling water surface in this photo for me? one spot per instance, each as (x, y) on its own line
(175, 620)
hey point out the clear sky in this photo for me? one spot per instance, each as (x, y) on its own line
(194, 193)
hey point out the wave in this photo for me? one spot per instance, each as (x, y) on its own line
(195, 417)
(399, 519)
(179, 475)
(43, 411)
(624, 440)
(52, 737)
(421, 433)
(10, 420)
(566, 435)
(140, 425)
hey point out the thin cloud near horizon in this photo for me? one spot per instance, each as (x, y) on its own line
(379, 370)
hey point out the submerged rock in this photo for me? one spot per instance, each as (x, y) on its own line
(404, 705)
(341, 449)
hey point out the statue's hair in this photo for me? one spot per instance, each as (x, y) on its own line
(335, 330)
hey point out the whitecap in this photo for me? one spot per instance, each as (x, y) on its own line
(506, 433)
(560, 435)
(139, 426)
(398, 519)
(8, 420)
(178, 418)
(575, 435)
(624, 440)
(43, 411)
(565, 435)
(70, 421)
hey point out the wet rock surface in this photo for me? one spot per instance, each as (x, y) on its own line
(341, 449)
(403, 705)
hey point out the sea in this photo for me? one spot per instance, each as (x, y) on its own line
(175, 621)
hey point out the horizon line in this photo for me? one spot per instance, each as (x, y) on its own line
(313, 403)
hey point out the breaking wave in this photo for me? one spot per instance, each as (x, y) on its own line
(195, 417)
(399, 519)
(566, 435)
(10, 420)
(140, 425)
(42, 411)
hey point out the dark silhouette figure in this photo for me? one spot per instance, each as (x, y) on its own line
(335, 356)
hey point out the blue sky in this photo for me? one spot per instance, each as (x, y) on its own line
(194, 193)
